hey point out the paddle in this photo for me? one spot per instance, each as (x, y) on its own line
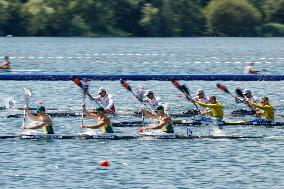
(78, 82)
(85, 88)
(27, 95)
(239, 92)
(183, 88)
(127, 86)
(225, 89)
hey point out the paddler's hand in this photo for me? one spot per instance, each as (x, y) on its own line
(23, 127)
(82, 126)
(192, 100)
(253, 111)
(84, 106)
(26, 108)
(142, 109)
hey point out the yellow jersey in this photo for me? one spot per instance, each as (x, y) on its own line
(47, 128)
(106, 128)
(216, 109)
(268, 110)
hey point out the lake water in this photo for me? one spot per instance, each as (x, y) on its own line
(251, 163)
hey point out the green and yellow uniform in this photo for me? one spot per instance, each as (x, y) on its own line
(268, 110)
(168, 128)
(106, 128)
(216, 109)
(48, 128)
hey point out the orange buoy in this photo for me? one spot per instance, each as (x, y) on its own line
(104, 163)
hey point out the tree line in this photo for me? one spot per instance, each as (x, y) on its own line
(142, 18)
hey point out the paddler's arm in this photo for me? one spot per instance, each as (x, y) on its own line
(162, 123)
(44, 122)
(87, 113)
(110, 105)
(38, 126)
(207, 111)
(259, 106)
(100, 124)
(32, 116)
(208, 105)
(149, 114)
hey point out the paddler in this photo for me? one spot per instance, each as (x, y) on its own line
(249, 69)
(165, 122)
(103, 121)
(105, 100)
(45, 121)
(266, 110)
(152, 100)
(215, 108)
(248, 98)
(6, 63)
(200, 96)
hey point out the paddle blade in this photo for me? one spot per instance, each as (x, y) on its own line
(27, 93)
(239, 92)
(77, 81)
(139, 93)
(85, 86)
(185, 89)
(176, 83)
(125, 85)
(222, 87)
(178, 86)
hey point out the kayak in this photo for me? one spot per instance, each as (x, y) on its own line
(199, 123)
(241, 113)
(124, 137)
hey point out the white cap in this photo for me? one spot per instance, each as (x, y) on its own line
(149, 92)
(246, 91)
(101, 89)
(199, 91)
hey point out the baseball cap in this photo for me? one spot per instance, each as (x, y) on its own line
(159, 108)
(40, 108)
(199, 91)
(148, 92)
(101, 89)
(247, 91)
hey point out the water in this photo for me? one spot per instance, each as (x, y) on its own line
(141, 164)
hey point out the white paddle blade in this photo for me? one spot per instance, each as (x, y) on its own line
(27, 93)
(85, 85)
(139, 93)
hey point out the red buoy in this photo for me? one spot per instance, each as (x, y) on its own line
(104, 163)
(141, 130)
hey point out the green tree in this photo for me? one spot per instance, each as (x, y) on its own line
(232, 18)
(3, 15)
(15, 24)
(39, 16)
(150, 20)
(126, 16)
(181, 18)
(274, 11)
(273, 29)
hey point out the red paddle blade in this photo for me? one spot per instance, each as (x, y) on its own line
(222, 87)
(125, 85)
(176, 83)
(76, 80)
